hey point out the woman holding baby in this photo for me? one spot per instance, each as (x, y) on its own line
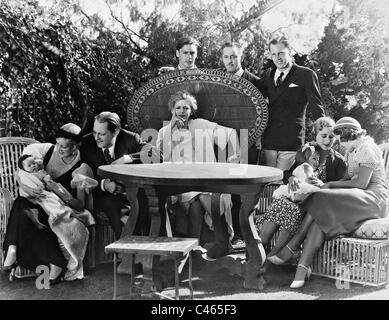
(32, 239)
(287, 214)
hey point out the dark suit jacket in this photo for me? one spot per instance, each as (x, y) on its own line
(256, 81)
(126, 143)
(288, 104)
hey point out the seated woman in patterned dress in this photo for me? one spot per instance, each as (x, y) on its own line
(342, 206)
(288, 215)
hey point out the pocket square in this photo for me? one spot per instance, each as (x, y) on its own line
(293, 85)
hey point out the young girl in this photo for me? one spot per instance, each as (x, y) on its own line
(308, 169)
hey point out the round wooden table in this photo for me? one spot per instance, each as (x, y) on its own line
(163, 179)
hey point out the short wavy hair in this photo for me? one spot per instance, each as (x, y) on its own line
(321, 123)
(183, 95)
(111, 118)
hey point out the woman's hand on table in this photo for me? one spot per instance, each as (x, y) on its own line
(235, 158)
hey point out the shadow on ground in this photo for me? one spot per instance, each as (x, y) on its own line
(209, 283)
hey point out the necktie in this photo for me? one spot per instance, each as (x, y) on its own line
(279, 79)
(107, 156)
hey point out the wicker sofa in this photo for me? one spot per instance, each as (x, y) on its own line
(362, 257)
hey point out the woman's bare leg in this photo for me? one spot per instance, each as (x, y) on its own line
(10, 259)
(55, 271)
(267, 232)
(314, 240)
(296, 241)
(282, 241)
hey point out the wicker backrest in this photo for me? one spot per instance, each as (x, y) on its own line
(11, 149)
(221, 97)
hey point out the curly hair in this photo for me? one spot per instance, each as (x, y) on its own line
(183, 95)
(321, 123)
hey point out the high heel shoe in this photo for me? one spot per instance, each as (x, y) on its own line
(278, 261)
(60, 278)
(306, 272)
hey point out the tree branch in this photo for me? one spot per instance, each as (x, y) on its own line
(128, 30)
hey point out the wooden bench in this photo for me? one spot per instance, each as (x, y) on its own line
(176, 248)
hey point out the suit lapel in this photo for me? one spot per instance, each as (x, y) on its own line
(119, 146)
(285, 84)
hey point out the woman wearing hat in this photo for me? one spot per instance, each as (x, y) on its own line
(30, 243)
(342, 206)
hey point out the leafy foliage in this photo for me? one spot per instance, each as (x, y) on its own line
(353, 74)
(51, 74)
(61, 64)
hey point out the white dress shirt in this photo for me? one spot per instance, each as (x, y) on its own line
(278, 73)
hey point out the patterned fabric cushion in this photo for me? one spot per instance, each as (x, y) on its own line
(373, 229)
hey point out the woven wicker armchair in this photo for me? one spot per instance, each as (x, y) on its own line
(11, 149)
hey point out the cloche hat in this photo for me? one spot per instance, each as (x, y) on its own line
(348, 122)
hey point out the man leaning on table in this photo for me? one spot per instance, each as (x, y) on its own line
(110, 144)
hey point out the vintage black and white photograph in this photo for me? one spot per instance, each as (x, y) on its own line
(210, 151)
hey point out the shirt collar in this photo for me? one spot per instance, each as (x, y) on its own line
(180, 68)
(240, 72)
(278, 72)
(112, 148)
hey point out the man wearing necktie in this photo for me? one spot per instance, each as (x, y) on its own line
(292, 91)
(186, 53)
(110, 144)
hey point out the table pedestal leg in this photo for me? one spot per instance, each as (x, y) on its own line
(131, 193)
(149, 262)
(253, 278)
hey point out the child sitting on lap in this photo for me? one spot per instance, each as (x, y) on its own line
(308, 169)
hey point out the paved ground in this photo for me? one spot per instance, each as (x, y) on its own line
(208, 284)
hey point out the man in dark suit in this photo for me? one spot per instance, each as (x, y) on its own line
(292, 90)
(186, 53)
(231, 56)
(232, 60)
(110, 144)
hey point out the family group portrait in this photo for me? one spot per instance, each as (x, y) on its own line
(194, 150)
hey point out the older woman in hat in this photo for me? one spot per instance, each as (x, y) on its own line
(30, 242)
(342, 206)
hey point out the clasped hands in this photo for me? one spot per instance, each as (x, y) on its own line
(294, 183)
